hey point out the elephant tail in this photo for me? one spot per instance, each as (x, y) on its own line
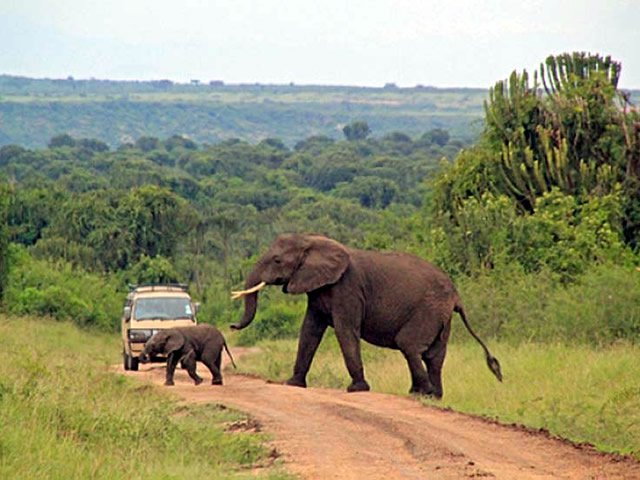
(492, 362)
(230, 356)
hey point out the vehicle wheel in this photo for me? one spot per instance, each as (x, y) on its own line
(133, 364)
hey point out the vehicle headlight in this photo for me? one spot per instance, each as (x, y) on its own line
(140, 336)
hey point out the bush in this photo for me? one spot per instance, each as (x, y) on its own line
(568, 236)
(564, 235)
(57, 290)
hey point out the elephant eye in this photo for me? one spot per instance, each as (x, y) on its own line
(277, 260)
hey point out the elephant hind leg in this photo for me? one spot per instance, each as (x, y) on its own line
(434, 359)
(189, 364)
(213, 361)
(420, 382)
(414, 340)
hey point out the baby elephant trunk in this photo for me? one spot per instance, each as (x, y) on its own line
(144, 357)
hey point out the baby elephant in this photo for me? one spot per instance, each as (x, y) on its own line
(188, 345)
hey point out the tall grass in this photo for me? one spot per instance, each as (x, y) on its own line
(579, 392)
(64, 415)
(600, 308)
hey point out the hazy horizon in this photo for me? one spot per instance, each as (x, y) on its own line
(455, 44)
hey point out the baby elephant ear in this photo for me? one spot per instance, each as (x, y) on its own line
(175, 341)
(324, 261)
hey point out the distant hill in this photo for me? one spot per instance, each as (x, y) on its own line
(32, 111)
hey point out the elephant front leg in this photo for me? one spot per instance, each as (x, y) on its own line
(311, 334)
(172, 363)
(349, 340)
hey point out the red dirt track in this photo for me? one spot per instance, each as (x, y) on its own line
(329, 434)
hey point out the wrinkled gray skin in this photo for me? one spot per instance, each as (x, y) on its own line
(188, 345)
(392, 300)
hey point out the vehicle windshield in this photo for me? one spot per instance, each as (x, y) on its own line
(163, 308)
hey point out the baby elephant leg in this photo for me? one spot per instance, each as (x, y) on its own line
(211, 359)
(188, 362)
(172, 363)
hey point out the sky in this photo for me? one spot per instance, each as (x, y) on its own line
(441, 43)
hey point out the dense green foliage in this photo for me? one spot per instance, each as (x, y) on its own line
(171, 210)
(116, 112)
(548, 195)
(554, 180)
(57, 290)
(65, 415)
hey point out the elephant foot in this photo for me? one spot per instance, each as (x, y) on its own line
(294, 382)
(216, 381)
(362, 386)
(198, 381)
(169, 383)
(428, 391)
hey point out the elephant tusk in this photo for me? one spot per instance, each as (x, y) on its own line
(241, 293)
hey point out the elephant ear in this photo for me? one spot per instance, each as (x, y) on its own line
(175, 341)
(323, 263)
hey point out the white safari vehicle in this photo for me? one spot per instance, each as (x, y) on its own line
(149, 308)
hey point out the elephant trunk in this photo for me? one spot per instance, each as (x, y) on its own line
(250, 301)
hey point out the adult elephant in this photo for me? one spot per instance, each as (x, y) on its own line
(392, 300)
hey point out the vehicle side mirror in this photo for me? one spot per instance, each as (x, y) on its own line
(126, 314)
(196, 307)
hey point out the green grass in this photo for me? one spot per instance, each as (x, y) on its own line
(582, 393)
(65, 415)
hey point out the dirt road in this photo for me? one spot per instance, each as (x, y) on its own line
(328, 434)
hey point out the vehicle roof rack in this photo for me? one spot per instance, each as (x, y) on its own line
(153, 286)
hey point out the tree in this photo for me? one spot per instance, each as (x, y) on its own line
(439, 136)
(63, 140)
(371, 192)
(178, 141)
(572, 145)
(274, 143)
(358, 130)
(315, 143)
(31, 210)
(147, 144)
(158, 219)
(10, 153)
(153, 270)
(569, 139)
(92, 145)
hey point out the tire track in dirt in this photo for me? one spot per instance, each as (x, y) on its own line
(329, 434)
